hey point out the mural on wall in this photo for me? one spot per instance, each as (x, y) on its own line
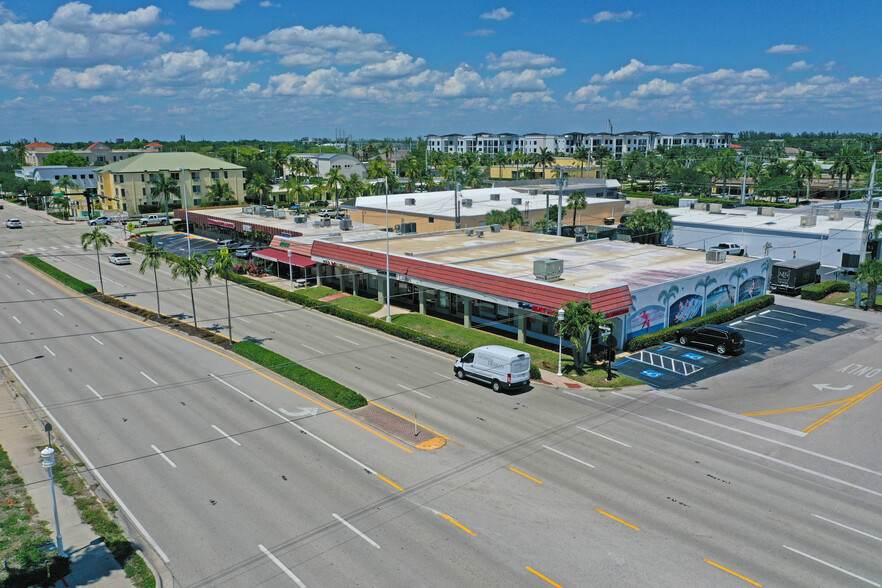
(751, 288)
(719, 298)
(667, 295)
(647, 319)
(686, 308)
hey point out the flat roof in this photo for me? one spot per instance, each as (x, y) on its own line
(747, 218)
(308, 229)
(588, 266)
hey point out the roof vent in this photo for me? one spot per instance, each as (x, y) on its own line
(517, 201)
(533, 192)
(470, 232)
(479, 234)
(495, 228)
(715, 256)
(835, 215)
(467, 202)
(808, 220)
(409, 201)
(548, 269)
(494, 196)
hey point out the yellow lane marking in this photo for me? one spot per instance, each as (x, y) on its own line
(432, 444)
(246, 366)
(458, 524)
(615, 518)
(842, 408)
(524, 475)
(798, 408)
(390, 482)
(552, 582)
(411, 420)
(736, 574)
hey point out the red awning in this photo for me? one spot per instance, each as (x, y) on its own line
(282, 257)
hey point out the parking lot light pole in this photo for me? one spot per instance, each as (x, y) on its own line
(605, 332)
(186, 213)
(290, 270)
(560, 317)
(48, 456)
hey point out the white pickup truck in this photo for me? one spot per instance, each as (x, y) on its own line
(153, 219)
(729, 248)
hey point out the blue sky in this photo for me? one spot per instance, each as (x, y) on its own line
(280, 70)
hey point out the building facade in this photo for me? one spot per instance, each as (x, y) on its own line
(125, 185)
(325, 162)
(96, 154)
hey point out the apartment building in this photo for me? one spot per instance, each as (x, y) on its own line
(96, 154)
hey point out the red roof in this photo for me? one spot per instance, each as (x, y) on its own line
(734, 146)
(40, 144)
(550, 297)
(298, 247)
(97, 144)
(153, 144)
(282, 256)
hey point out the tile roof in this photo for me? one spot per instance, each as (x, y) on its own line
(153, 144)
(97, 145)
(39, 144)
(156, 162)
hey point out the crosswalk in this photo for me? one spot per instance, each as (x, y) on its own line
(4, 252)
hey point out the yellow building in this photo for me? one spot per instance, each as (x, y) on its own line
(570, 167)
(124, 186)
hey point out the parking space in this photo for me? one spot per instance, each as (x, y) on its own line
(176, 243)
(768, 333)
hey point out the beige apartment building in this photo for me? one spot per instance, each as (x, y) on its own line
(96, 154)
(125, 185)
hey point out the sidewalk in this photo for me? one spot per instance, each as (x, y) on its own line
(20, 434)
(847, 312)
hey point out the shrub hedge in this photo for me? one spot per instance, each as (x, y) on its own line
(295, 372)
(717, 317)
(822, 290)
(66, 279)
(671, 200)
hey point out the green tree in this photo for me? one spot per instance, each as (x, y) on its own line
(190, 269)
(218, 192)
(61, 202)
(495, 217)
(513, 217)
(97, 239)
(649, 226)
(153, 257)
(222, 264)
(335, 179)
(163, 186)
(544, 158)
(583, 156)
(579, 326)
(633, 165)
(847, 162)
(257, 188)
(353, 187)
(601, 155)
(723, 167)
(68, 158)
(577, 201)
(295, 190)
(804, 169)
(870, 272)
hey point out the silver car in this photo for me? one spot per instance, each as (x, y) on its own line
(119, 259)
(13, 223)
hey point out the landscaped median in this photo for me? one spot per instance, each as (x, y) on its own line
(824, 289)
(66, 279)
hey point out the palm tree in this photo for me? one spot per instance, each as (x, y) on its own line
(335, 179)
(601, 155)
(278, 162)
(633, 164)
(666, 297)
(495, 217)
(576, 201)
(378, 170)
(543, 158)
(257, 187)
(724, 166)
(870, 271)
(583, 156)
(222, 266)
(411, 168)
(163, 186)
(219, 191)
(61, 201)
(513, 217)
(804, 169)
(705, 282)
(190, 269)
(97, 239)
(474, 176)
(152, 260)
(579, 326)
(294, 189)
(847, 162)
(352, 186)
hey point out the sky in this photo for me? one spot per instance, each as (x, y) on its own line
(281, 70)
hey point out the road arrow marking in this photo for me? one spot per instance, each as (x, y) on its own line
(829, 387)
(303, 412)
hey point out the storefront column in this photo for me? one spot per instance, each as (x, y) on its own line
(318, 274)
(467, 312)
(381, 290)
(421, 292)
(355, 283)
(338, 273)
(522, 326)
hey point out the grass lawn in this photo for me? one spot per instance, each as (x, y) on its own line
(846, 299)
(317, 292)
(353, 303)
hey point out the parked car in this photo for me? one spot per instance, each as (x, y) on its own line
(13, 223)
(230, 244)
(1, 206)
(153, 219)
(119, 259)
(501, 367)
(782, 199)
(101, 220)
(730, 248)
(244, 252)
(720, 338)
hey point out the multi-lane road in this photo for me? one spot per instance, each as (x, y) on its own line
(231, 476)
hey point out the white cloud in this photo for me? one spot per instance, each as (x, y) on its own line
(655, 88)
(102, 99)
(829, 66)
(586, 94)
(100, 77)
(499, 14)
(268, 4)
(214, 4)
(76, 17)
(321, 82)
(606, 16)
(6, 14)
(465, 82)
(480, 33)
(800, 66)
(323, 45)
(399, 66)
(528, 80)
(635, 69)
(202, 32)
(518, 60)
(788, 49)
(723, 78)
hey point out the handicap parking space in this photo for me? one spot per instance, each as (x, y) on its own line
(769, 332)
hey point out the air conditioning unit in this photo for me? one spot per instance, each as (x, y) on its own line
(715, 256)
(494, 196)
(279, 213)
(808, 220)
(517, 201)
(409, 201)
(345, 224)
(547, 269)
(247, 210)
(317, 223)
(495, 228)
(835, 215)
(467, 202)
(580, 237)
(470, 232)
(479, 234)
(300, 219)
(326, 222)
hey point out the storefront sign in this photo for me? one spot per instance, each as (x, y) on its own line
(618, 312)
(220, 223)
(537, 308)
(246, 228)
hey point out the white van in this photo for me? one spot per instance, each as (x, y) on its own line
(499, 366)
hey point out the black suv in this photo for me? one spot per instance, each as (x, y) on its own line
(720, 338)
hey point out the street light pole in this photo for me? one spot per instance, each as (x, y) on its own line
(290, 270)
(186, 212)
(561, 183)
(560, 317)
(388, 293)
(865, 234)
(48, 455)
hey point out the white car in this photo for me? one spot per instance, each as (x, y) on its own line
(13, 223)
(120, 259)
(729, 248)
(101, 220)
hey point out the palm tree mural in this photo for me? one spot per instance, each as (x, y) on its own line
(666, 297)
(738, 274)
(706, 282)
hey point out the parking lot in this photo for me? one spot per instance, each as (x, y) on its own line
(768, 333)
(176, 243)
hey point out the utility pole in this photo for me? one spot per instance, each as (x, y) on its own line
(744, 182)
(561, 182)
(865, 234)
(456, 188)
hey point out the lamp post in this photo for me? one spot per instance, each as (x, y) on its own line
(186, 212)
(605, 332)
(290, 270)
(561, 184)
(48, 456)
(560, 317)
(388, 293)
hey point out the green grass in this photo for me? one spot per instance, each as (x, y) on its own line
(846, 299)
(65, 278)
(317, 292)
(357, 304)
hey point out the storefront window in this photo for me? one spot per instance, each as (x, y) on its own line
(442, 299)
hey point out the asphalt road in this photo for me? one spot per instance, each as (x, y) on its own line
(716, 482)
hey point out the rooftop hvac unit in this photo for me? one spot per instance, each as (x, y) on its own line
(317, 223)
(517, 201)
(580, 230)
(409, 201)
(835, 215)
(467, 202)
(809, 220)
(259, 210)
(715, 256)
(326, 222)
(470, 232)
(247, 210)
(300, 219)
(345, 224)
(533, 192)
(279, 213)
(547, 269)
(495, 228)
(479, 234)
(494, 196)
(580, 237)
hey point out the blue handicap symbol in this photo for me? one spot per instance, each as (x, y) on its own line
(651, 374)
(692, 356)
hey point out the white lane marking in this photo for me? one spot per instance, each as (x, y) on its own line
(282, 566)
(807, 318)
(91, 467)
(614, 394)
(759, 332)
(693, 350)
(244, 320)
(771, 318)
(837, 568)
(313, 349)
(570, 456)
(31, 292)
(293, 424)
(412, 390)
(448, 378)
(354, 530)
(50, 351)
(603, 436)
(765, 326)
(15, 318)
(279, 314)
(849, 528)
(765, 312)
(96, 340)
(155, 383)
(181, 294)
(8, 276)
(163, 456)
(218, 429)
(727, 413)
(94, 392)
(347, 340)
(58, 311)
(735, 323)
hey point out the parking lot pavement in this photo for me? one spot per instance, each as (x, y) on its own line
(176, 243)
(767, 333)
